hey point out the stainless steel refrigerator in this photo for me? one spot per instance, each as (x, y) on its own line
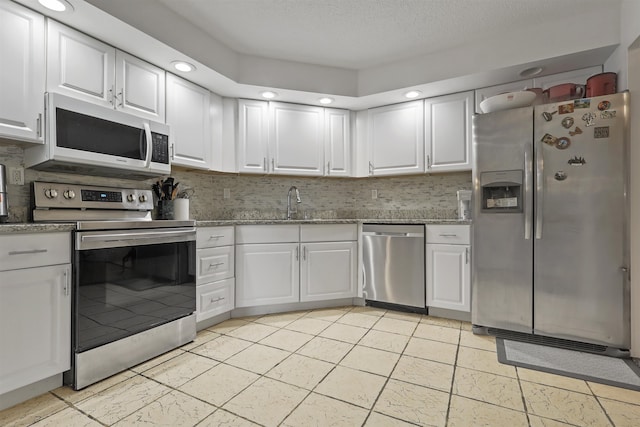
(550, 221)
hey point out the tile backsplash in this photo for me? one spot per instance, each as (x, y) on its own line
(258, 196)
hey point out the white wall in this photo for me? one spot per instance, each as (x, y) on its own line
(626, 62)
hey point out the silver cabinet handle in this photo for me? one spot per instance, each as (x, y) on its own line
(216, 236)
(217, 299)
(304, 253)
(120, 97)
(264, 164)
(527, 191)
(297, 253)
(328, 168)
(539, 189)
(29, 252)
(173, 151)
(111, 96)
(216, 265)
(370, 168)
(39, 125)
(448, 235)
(428, 161)
(66, 285)
(273, 164)
(466, 255)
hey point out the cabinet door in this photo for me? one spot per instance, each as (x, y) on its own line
(396, 139)
(253, 136)
(267, 274)
(35, 325)
(328, 271)
(79, 66)
(448, 132)
(22, 71)
(139, 87)
(188, 117)
(296, 139)
(448, 277)
(488, 92)
(337, 142)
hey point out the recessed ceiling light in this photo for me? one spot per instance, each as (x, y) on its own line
(412, 94)
(268, 94)
(326, 100)
(529, 72)
(183, 66)
(57, 5)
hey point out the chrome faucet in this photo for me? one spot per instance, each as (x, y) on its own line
(289, 210)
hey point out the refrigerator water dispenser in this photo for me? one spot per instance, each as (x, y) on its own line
(502, 191)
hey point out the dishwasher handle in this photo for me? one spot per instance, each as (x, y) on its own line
(391, 234)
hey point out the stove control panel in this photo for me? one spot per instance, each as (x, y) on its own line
(54, 195)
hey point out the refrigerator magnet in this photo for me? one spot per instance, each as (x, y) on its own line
(582, 103)
(560, 176)
(548, 116)
(589, 118)
(609, 114)
(601, 132)
(576, 131)
(567, 122)
(565, 108)
(604, 105)
(577, 161)
(549, 139)
(563, 143)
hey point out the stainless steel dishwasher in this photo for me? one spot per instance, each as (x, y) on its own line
(393, 258)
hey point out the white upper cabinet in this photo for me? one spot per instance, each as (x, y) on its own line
(296, 139)
(253, 136)
(188, 117)
(140, 87)
(448, 132)
(488, 92)
(576, 76)
(396, 139)
(337, 142)
(85, 68)
(22, 69)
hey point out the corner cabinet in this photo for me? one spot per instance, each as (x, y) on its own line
(88, 69)
(448, 267)
(396, 139)
(291, 139)
(188, 116)
(22, 67)
(447, 121)
(35, 308)
(279, 264)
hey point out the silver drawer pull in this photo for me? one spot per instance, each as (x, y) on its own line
(216, 236)
(32, 251)
(215, 265)
(448, 235)
(216, 300)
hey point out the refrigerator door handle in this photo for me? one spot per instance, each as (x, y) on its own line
(539, 189)
(527, 190)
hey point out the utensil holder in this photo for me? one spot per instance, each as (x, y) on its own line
(166, 209)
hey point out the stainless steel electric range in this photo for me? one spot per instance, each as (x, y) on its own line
(134, 292)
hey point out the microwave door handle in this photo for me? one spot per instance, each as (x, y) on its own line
(147, 132)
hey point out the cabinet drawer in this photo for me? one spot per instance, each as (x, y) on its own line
(34, 250)
(328, 232)
(211, 237)
(215, 264)
(448, 234)
(267, 233)
(214, 298)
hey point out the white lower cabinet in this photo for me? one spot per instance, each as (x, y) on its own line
(215, 265)
(328, 271)
(35, 308)
(448, 267)
(279, 264)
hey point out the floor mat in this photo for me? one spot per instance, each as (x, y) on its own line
(586, 366)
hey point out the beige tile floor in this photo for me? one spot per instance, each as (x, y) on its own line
(351, 366)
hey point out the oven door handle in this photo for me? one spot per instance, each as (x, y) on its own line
(93, 241)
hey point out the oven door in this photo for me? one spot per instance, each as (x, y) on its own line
(129, 281)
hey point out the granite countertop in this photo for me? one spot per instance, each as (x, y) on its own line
(9, 228)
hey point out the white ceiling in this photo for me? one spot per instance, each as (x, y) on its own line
(358, 34)
(361, 52)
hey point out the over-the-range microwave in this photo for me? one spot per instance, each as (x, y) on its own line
(86, 138)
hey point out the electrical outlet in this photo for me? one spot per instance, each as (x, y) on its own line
(374, 194)
(227, 193)
(16, 176)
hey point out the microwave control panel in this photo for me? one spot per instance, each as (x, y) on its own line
(160, 148)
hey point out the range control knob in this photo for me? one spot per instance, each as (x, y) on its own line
(69, 194)
(51, 193)
(143, 198)
(131, 198)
